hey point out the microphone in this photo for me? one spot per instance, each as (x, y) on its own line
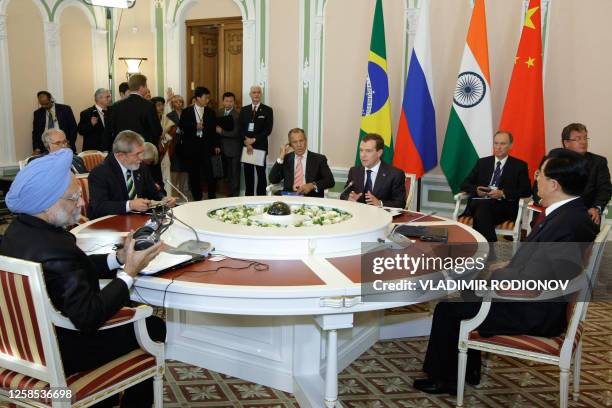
(423, 216)
(349, 185)
(183, 196)
(193, 246)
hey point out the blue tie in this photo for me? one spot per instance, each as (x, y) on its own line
(496, 174)
(368, 184)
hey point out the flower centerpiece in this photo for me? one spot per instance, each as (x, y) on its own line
(276, 215)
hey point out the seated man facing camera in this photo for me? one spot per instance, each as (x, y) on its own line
(561, 180)
(47, 198)
(302, 171)
(120, 184)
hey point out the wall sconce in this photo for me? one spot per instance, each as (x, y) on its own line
(133, 65)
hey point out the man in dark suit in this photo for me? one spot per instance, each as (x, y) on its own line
(561, 180)
(598, 189)
(231, 141)
(134, 113)
(47, 198)
(52, 115)
(497, 182)
(303, 172)
(93, 121)
(54, 140)
(375, 182)
(256, 122)
(200, 140)
(120, 184)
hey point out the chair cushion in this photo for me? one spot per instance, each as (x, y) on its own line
(469, 220)
(544, 345)
(124, 314)
(86, 383)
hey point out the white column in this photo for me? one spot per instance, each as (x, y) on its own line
(7, 137)
(172, 69)
(53, 62)
(100, 57)
(331, 370)
(249, 60)
(412, 19)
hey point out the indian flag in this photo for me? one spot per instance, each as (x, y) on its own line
(376, 112)
(469, 135)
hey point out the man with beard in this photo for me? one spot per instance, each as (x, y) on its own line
(120, 184)
(46, 197)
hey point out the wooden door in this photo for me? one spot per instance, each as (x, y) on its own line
(214, 57)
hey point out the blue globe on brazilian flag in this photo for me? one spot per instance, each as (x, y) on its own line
(376, 111)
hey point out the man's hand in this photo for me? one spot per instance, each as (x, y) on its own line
(249, 149)
(283, 151)
(595, 216)
(372, 200)
(94, 120)
(249, 141)
(169, 94)
(496, 194)
(169, 201)
(136, 261)
(482, 191)
(353, 196)
(200, 126)
(139, 204)
(305, 188)
(217, 150)
(219, 130)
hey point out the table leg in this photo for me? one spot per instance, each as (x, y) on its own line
(331, 370)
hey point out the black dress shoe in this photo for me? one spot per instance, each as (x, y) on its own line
(431, 386)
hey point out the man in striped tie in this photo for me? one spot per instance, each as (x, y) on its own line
(120, 184)
(303, 172)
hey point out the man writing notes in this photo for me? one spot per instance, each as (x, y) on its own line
(303, 172)
(497, 183)
(47, 198)
(375, 182)
(256, 121)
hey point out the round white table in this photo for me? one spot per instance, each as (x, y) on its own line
(278, 326)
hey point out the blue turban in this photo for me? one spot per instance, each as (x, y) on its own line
(41, 183)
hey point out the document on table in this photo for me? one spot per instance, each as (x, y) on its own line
(164, 261)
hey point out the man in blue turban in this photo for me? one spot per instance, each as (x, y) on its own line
(47, 198)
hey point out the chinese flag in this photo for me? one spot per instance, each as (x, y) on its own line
(523, 113)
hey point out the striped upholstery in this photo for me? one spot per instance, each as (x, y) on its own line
(92, 159)
(88, 383)
(19, 333)
(125, 314)
(544, 345)
(467, 220)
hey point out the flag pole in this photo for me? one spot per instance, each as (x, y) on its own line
(418, 195)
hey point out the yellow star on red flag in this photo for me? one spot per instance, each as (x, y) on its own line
(530, 62)
(528, 16)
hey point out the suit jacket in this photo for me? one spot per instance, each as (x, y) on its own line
(137, 114)
(316, 171)
(598, 190)
(390, 185)
(71, 277)
(264, 121)
(231, 140)
(93, 136)
(65, 121)
(108, 191)
(193, 145)
(78, 165)
(554, 250)
(514, 179)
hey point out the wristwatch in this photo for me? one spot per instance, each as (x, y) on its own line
(316, 189)
(279, 160)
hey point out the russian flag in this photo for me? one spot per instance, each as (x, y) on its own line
(415, 148)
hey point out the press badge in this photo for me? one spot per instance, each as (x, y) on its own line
(251, 127)
(199, 133)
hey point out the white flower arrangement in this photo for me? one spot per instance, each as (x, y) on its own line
(308, 216)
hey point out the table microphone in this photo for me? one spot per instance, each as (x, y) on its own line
(349, 185)
(183, 196)
(193, 246)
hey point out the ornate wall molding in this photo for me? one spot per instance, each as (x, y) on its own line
(53, 53)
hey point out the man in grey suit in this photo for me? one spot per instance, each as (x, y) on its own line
(231, 141)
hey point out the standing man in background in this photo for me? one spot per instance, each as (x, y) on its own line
(256, 121)
(93, 121)
(231, 141)
(52, 115)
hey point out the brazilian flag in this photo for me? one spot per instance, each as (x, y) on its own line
(376, 112)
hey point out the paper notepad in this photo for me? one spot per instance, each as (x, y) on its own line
(164, 261)
(257, 158)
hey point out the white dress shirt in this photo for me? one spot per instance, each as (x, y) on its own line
(372, 176)
(548, 210)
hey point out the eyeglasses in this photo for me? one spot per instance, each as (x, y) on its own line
(75, 197)
(579, 139)
(60, 143)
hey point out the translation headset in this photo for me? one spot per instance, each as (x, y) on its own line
(149, 234)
